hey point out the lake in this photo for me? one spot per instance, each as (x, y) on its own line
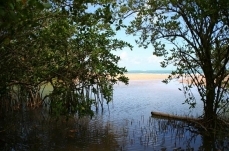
(125, 124)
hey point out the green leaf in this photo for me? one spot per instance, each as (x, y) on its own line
(117, 28)
(11, 6)
(120, 22)
(40, 6)
(47, 5)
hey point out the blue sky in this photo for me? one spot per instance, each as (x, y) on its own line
(138, 58)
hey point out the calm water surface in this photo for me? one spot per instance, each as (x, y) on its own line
(126, 124)
(131, 110)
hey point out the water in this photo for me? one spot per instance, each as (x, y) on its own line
(131, 110)
(125, 124)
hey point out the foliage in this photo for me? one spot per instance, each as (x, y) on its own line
(191, 35)
(65, 44)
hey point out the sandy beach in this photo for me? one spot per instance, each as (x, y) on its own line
(153, 76)
(146, 76)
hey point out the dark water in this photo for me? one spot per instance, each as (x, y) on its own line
(126, 124)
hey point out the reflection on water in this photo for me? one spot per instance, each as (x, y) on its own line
(33, 132)
(125, 125)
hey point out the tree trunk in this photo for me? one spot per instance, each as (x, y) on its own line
(175, 117)
(209, 112)
(208, 141)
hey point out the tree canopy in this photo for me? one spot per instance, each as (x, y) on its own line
(191, 35)
(65, 44)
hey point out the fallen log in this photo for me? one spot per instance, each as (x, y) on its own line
(175, 117)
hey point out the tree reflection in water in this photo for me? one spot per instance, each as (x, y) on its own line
(31, 130)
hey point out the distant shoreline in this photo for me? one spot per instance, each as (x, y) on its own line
(147, 76)
(149, 71)
(156, 76)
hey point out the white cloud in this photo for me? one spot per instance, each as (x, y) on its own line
(136, 61)
(124, 56)
(154, 59)
(139, 60)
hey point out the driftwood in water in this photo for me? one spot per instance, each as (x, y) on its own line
(175, 117)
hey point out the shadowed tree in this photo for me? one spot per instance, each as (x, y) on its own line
(57, 43)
